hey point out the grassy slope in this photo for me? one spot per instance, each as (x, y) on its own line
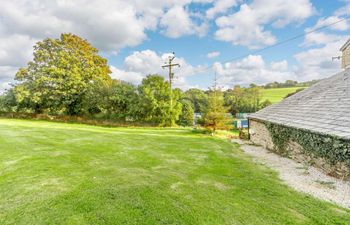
(277, 94)
(55, 173)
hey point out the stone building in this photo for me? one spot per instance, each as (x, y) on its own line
(321, 112)
(345, 54)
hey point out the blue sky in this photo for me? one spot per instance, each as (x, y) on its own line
(137, 37)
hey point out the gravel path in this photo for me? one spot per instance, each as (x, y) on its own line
(301, 177)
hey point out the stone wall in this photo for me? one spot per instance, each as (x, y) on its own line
(260, 135)
(346, 57)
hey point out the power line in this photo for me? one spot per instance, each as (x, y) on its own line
(272, 46)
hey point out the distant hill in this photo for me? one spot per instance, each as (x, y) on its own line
(276, 91)
(275, 95)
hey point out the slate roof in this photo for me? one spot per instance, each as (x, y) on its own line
(322, 108)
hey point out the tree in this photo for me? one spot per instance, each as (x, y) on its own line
(234, 99)
(198, 99)
(254, 97)
(187, 115)
(60, 75)
(122, 100)
(243, 99)
(8, 102)
(252, 85)
(154, 101)
(215, 116)
(115, 101)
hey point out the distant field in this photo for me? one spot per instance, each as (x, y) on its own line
(55, 173)
(277, 94)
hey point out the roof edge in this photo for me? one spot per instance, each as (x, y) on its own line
(347, 43)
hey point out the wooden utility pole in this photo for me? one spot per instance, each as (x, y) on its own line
(170, 65)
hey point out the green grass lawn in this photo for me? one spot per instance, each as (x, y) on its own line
(55, 173)
(275, 95)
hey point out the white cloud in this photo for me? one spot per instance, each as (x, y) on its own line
(279, 66)
(343, 11)
(15, 50)
(220, 6)
(108, 25)
(177, 22)
(242, 28)
(113, 25)
(147, 62)
(252, 69)
(6, 76)
(343, 25)
(211, 55)
(128, 76)
(247, 26)
(101, 22)
(313, 63)
(316, 63)
(320, 38)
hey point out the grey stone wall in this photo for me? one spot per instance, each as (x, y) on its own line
(260, 135)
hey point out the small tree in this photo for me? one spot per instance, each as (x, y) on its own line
(215, 116)
(187, 115)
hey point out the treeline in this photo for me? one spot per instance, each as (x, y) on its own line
(289, 83)
(236, 100)
(67, 76)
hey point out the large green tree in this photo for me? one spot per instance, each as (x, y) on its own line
(198, 99)
(122, 100)
(60, 75)
(154, 101)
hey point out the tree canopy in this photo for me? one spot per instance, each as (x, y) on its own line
(198, 99)
(244, 100)
(154, 101)
(60, 75)
(67, 76)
